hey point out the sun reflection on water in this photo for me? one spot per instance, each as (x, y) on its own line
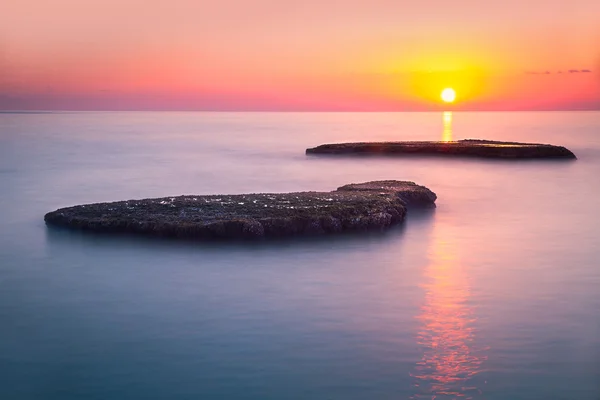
(446, 333)
(447, 134)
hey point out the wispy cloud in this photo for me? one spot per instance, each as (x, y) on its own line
(570, 71)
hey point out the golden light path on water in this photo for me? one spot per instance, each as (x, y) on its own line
(447, 134)
(446, 333)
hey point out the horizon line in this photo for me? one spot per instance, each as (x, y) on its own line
(49, 111)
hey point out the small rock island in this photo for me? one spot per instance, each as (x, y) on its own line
(467, 148)
(353, 207)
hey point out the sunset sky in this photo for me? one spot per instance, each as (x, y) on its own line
(310, 55)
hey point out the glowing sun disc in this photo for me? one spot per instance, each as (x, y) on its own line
(448, 95)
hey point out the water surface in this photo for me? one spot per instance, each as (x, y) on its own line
(494, 295)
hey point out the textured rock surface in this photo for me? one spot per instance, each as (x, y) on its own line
(409, 192)
(370, 205)
(468, 147)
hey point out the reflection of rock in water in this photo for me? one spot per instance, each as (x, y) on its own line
(447, 135)
(450, 359)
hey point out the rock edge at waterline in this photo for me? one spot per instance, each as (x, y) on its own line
(353, 207)
(460, 148)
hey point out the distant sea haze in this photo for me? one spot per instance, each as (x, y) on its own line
(174, 102)
(491, 295)
(528, 90)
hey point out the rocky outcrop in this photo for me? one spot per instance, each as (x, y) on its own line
(468, 147)
(409, 192)
(364, 206)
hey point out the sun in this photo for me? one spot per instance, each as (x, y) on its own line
(448, 95)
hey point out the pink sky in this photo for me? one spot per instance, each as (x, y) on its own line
(310, 55)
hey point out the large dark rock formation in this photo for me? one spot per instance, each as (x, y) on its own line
(468, 147)
(370, 205)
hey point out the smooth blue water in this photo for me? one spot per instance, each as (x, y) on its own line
(494, 295)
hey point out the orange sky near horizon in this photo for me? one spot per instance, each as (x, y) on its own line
(315, 55)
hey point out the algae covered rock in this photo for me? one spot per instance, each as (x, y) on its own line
(366, 206)
(409, 192)
(460, 148)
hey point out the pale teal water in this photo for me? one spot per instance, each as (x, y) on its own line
(494, 295)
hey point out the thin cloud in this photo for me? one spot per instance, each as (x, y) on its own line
(570, 71)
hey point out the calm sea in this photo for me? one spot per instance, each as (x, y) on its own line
(493, 295)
